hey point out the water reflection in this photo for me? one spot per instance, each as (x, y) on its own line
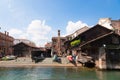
(52, 73)
(108, 75)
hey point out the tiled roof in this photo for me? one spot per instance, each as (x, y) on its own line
(48, 45)
(79, 31)
(25, 44)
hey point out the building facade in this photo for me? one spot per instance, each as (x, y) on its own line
(23, 49)
(72, 37)
(102, 43)
(56, 48)
(6, 43)
(58, 45)
(48, 47)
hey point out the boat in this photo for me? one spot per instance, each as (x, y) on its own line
(9, 57)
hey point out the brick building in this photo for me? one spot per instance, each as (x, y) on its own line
(6, 43)
(58, 44)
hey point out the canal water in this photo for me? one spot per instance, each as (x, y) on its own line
(53, 73)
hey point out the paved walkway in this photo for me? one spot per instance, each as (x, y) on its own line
(23, 61)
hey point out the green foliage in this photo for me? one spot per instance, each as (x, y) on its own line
(75, 42)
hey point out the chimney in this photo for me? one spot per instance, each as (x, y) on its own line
(59, 43)
(5, 32)
(58, 33)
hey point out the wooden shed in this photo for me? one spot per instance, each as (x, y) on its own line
(102, 44)
(23, 49)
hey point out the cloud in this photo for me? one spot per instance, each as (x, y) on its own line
(38, 27)
(15, 31)
(40, 33)
(73, 26)
(36, 31)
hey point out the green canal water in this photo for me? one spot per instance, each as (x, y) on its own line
(61, 73)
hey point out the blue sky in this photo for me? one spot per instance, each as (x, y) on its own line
(39, 20)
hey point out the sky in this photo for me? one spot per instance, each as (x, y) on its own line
(39, 20)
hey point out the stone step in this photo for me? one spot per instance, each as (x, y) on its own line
(50, 61)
